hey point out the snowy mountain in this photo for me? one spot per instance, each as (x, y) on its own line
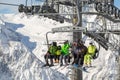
(17, 60)
(23, 45)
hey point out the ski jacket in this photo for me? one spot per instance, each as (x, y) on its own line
(65, 49)
(58, 52)
(53, 50)
(91, 49)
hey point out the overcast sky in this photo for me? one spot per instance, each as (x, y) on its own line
(14, 9)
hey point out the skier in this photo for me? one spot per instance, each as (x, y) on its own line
(64, 53)
(73, 51)
(91, 51)
(51, 54)
(79, 53)
(58, 53)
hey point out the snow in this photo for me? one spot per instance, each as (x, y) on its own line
(23, 45)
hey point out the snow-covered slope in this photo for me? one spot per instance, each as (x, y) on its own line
(17, 61)
(22, 49)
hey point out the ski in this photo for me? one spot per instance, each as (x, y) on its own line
(83, 69)
(64, 67)
(48, 66)
(45, 66)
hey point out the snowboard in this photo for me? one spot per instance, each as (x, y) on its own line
(46, 66)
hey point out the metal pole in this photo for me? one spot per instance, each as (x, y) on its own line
(76, 36)
(26, 2)
(47, 38)
(119, 65)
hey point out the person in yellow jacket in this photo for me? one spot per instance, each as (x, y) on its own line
(58, 53)
(89, 55)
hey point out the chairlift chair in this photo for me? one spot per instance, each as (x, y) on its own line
(21, 8)
(28, 9)
(33, 9)
(36, 9)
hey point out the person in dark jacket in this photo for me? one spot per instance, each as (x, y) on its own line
(79, 53)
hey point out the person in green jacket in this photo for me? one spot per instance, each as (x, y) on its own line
(89, 55)
(51, 54)
(64, 52)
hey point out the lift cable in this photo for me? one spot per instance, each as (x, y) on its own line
(9, 4)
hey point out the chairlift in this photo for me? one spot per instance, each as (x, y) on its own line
(74, 29)
(33, 9)
(46, 10)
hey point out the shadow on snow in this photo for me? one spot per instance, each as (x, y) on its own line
(20, 37)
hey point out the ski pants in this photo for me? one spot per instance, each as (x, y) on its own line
(47, 56)
(79, 59)
(87, 59)
(64, 57)
(57, 57)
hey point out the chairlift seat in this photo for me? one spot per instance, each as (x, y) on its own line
(27, 9)
(36, 8)
(21, 8)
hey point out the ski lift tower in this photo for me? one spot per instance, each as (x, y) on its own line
(77, 35)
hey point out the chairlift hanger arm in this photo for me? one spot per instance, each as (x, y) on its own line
(47, 38)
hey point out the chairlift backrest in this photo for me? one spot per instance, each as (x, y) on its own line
(21, 8)
(27, 9)
(36, 8)
(54, 43)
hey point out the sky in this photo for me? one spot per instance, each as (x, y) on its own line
(14, 9)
